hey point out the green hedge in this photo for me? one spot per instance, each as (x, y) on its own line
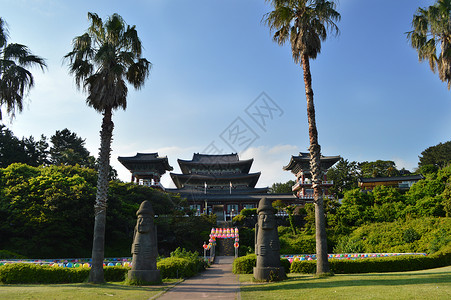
(246, 264)
(31, 273)
(377, 265)
(171, 267)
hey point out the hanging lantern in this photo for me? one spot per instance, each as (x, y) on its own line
(236, 245)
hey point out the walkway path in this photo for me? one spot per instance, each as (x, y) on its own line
(216, 282)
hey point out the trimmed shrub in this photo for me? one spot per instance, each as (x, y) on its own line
(246, 264)
(285, 263)
(177, 267)
(116, 273)
(306, 266)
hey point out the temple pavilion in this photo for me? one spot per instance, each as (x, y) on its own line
(300, 166)
(220, 184)
(146, 168)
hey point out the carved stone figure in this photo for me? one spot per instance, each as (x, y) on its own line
(144, 247)
(267, 247)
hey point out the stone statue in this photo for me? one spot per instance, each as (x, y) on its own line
(144, 247)
(267, 246)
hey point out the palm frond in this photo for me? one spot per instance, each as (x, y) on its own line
(4, 35)
(104, 58)
(15, 79)
(431, 35)
(304, 22)
(138, 72)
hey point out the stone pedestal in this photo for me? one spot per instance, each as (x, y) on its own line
(145, 275)
(269, 273)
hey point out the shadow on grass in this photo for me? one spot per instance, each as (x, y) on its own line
(352, 280)
(108, 286)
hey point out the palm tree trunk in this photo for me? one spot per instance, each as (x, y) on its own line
(322, 262)
(98, 244)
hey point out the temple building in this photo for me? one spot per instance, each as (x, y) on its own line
(146, 168)
(300, 167)
(403, 183)
(220, 184)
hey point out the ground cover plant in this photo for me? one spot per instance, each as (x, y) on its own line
(426, 284)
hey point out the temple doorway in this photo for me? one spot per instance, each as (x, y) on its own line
(218, 210)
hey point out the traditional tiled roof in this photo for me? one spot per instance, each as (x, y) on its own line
(206, 162)
(216, 179)
(146, 161)
(394, 178)
(225, 191)
(215, 158)
(302, 162)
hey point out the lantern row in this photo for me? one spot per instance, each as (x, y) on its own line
(224, 233)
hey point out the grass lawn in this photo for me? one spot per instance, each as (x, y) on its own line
(81, 291)
(426, 284)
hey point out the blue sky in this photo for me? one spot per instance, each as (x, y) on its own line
(212, 60)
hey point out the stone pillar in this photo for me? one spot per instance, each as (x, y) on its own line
(267, 247)
(144, 248)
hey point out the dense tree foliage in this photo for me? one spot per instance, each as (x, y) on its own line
(344, 174)
(429, 197)
(436, 156)
(48, 211)
(425, 234)
(26, 150)
(378, 168)
(66, 148)
(69, 149)
(282, 188)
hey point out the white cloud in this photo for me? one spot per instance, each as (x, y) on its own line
(270, 161)
(401, 163)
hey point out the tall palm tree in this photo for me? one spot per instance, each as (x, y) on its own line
(431, 37)
(15, 79)
(305, 24)
(102, 60)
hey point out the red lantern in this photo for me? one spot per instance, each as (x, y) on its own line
(236, 245)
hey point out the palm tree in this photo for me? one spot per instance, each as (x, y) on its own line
(15, 79)
(305, 24)
(432, 30)
(102, 60)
